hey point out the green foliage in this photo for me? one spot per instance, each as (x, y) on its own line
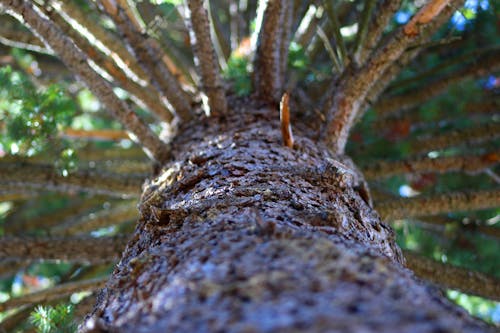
(58, 319)
(31, 116)
(238, 74)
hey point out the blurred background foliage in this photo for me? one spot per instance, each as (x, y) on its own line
(38, 113)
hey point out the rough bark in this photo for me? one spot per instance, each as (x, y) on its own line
(240, 233)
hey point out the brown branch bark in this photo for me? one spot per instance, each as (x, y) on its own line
(454, 277)
(100, 219)
(267, 77)
(83, 249)
(12, 36)
(468, 225)
(383, 14)
(53, 293)
(46, 177)
(205, 57)
(77, 62)
(151, 59)
(363, 24)
(456, 137)
(436, 204)
(423, 164)
(486, 63)
(100, 134)
(47, 221)
(120, 76)
(343, 107)
(109, 39)
(392, 71)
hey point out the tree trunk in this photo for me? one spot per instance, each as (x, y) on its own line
(239, 233)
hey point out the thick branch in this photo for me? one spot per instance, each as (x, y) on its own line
(444, 164)
(453, 277)
(77, 62)
(74, 249)
(205, 57)
(54, 293)
(268, 78)
(345, 104)
(46, 177)
(151, 59)
(487, 63)
(438, 203)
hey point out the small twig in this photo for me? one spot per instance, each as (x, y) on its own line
(286, 128)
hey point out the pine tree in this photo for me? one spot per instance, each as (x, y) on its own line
(274, 143)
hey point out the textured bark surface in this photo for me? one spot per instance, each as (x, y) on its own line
(239, 233)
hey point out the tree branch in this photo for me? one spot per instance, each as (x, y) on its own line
(97, 220)
(53, 293)
(47, 221)
(268, 77)
(11, 36)
(486, 63)
(383, 14)
(107, 38)
(423, 164)
(46, 177)
(150, 58)
(205, 57)
(469, 225)
(456, 137)
(84, 249)
(453, 277)
(77, 62)
(436, 204)
(343, 107)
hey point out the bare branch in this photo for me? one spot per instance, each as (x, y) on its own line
(383, 14)
(51, 294)
(150, 58)
(486, 63)
(121, 76)
(46, 177)
(47, 221)
(364, 22)
(205, 57)
(469, 225)
(345, 104)
(444, 164)
(107, 38)
(456, 137)
(453, 277)
(268, 78)
(74, 249)
(339, 40)
(97, 220)
(11, 36)
(438, 203)
(77, 62)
